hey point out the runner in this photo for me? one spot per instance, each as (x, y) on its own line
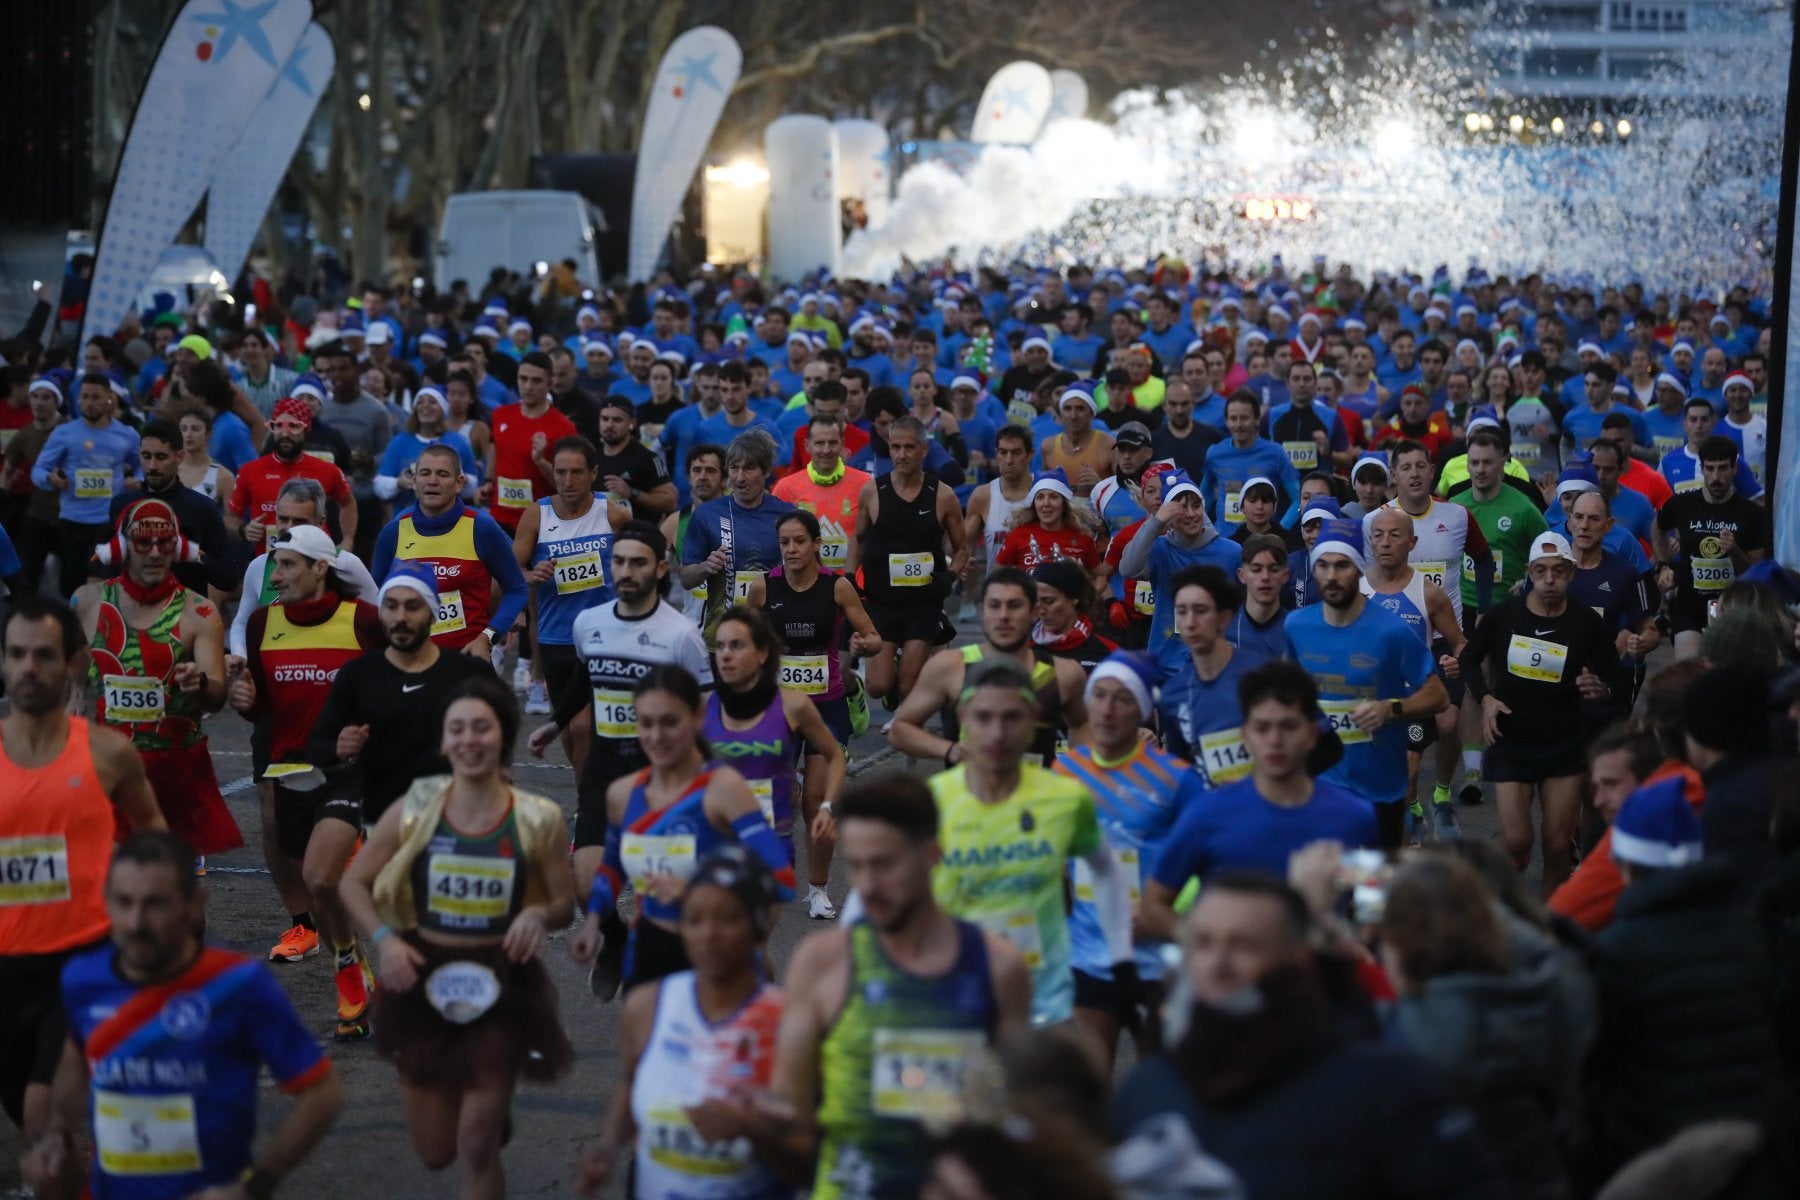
(167, 1040)
(758, 725)
(1624, 596)
(812, 621)
(1275, 809)
(468, 550)
(830, 490)
(1049, 530)
(1115, 498)
(1547, 655)
(296, 647)
(1447, 534)
(1264, 574)
(692, 1042)
(1748, 429)
(1177, 535)
(705, 475)
(618, 644)
(1373, 675)
(730, 542)
(1717, 532)
(1136, 787)
(1394, 584)
(1197, 710)
(1065, 596)
(991, 505)
(1010, 832)
(390, 701)
(1133, 602)
(300, 502)
(261, 481)
(160, 459)
(1244, 455)
(1683, 466)
(518, 471)
(659, 821)
(55, 841)
(564, 545)
(629, 471)
(904, 538)
(458, 888)
(156, 665)
(885, 1017)
(1008, 602)
(87, 461)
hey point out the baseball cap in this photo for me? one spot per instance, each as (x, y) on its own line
(1132, 433)
(1551, 544)
(309, 541)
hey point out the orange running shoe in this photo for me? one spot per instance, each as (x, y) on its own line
(296, 944)
(353, 988)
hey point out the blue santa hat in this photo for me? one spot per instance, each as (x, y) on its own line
(1657, 827)
(1133, 669)
(1340, 537)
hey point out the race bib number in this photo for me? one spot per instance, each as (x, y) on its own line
(1021, 929)
(1224, 756)
(145, 1135)
(1667, 445)
(450, 618)
(645, 855)
(673, 1143)
(1712, 574)
(701, 590)
(919, 1072)
(1234, 507)
(1021, 412)
(1304, 455)
(764, 791)
(1337, 719)
(911, 570)
(1127, 860)
(93, 483)
(615, 713)
(324, 456)
(1499, 566)
(1532, 658)
(578, 573)
(512, 493)
(809, 673)
(34, 870)
(1143, 597)
(463, 885)
(835, 553)
(1433, 569)
(1686, 486)
(741, 583)
(130, 698)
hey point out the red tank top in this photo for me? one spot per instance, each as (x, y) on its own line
(56, 840)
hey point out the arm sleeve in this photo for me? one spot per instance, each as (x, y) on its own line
(1112, 901)
(353, 571)
(1135, 562)
(693, 649)
(338, 487)
(248, 602)
(940, 463)
(699, 541)
(238, 448)
(495, 549)
(338, 711)
(282, 1041)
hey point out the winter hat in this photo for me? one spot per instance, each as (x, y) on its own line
(292, 406)
(146, 518)
(1657, 827)
(1324, 508)
(1725, 708)
(1052, 481)
(415, 575)
(1131, 668)
(1740, 637)
(1370, 460)
(1340, 537)
(1065, 577)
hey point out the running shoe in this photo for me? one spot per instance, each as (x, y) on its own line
(1471, 792)
(355, 985)
(1415, 824)
(537, 698)
(818, 904)
(521, 674)
(200, 864)
(1444, 822)
(857, 697)
(296, 944)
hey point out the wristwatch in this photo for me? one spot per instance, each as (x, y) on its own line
(1396, 708)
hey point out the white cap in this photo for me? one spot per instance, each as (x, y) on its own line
(309, 541)
(1550, 544)
(379, 334)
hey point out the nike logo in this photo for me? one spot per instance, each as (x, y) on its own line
(409, 688)
(1542, 632)
(925, 512)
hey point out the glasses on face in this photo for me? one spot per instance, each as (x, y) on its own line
(152, 545)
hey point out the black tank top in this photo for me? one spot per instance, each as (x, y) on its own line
(469, 884)
(903, 532)
(807, 621)
(1051, 723)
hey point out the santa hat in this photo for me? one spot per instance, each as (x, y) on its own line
(1133, 669)
(146, 518)
(1656, 827)
(1340, 537)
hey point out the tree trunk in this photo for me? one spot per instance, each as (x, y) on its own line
(377, 188)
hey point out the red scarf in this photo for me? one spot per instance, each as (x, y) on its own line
(1077, 634)
(158, 595)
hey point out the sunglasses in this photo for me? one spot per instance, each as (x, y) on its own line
(147, 545)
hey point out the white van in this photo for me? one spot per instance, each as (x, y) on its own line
(516, 230)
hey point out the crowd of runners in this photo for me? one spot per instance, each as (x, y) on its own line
(1193, 606)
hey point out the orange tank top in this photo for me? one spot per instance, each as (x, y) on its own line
(56, 840)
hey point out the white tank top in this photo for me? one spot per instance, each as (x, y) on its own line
(209, 483)
(686, 1060)
(999, 519)
(1443, 533)
(1408, 604)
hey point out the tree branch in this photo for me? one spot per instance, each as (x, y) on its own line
(808, 59)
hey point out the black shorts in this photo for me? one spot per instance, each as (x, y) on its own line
(32, 1024)
(296, 813)
(604, 764)
(1102, 995)
(1510, 760)
(836, 714)
(560, 665)
(921, 622)
(1687, 613)
(654, 954)
(1420, 735)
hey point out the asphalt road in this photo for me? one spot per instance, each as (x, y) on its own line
(367, 1154)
